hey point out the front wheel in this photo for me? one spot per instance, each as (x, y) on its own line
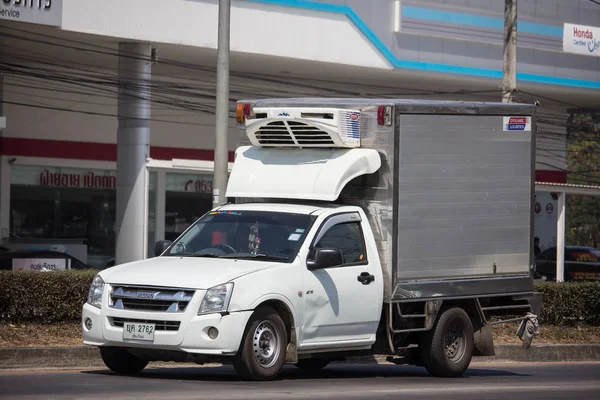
(121, 361)
(262, 353)
(447, 349)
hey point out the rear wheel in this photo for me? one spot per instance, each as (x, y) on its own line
(447, 349)
(312, 364)
(262, 352)
(121, 361)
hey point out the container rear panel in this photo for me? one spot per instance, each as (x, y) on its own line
(463, 198)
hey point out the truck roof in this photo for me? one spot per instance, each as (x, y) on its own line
(415, 106)
(276, 207)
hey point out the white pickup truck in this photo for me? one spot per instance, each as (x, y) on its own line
(356, 226)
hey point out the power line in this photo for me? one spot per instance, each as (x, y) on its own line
(46, 107)
(262, 77)
(184, 95)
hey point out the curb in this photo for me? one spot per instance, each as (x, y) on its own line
(545, 353)
(50, 357)
(89, 357)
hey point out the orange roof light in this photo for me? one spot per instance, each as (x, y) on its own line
(239, 113)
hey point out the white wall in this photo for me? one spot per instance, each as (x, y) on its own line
(255, 28)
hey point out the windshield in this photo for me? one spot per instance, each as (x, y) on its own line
(275, 236)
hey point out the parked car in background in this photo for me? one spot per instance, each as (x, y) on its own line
(38, 260)
(581, 263)
(100, 258)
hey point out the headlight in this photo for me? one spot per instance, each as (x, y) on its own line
(216, 299)
(95, 294)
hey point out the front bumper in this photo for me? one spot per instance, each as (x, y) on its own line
(190, 337)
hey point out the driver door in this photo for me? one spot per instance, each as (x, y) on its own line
(337, 306)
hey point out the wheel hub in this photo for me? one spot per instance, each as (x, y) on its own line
(455, 343)
(265, 344)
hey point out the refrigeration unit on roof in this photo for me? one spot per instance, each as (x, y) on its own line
(304, 127)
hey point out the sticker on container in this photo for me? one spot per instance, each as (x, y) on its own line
(294, 237)
(299, 230)
(517, 124)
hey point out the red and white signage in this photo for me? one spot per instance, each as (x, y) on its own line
(581, 39)
(85, 180)
(517, 124)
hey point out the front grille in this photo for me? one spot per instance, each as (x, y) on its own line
(158, 299)
(158, 325)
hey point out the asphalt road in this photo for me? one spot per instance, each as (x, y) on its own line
(483, 381)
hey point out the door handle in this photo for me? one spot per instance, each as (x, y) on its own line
(365, 278)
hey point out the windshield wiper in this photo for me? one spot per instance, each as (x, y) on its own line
(207, 255)
(256, 256)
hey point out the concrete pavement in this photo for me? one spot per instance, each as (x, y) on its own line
(86, 356)
(491, 380)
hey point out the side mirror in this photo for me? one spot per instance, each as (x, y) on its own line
(160, 246)
(326, 258)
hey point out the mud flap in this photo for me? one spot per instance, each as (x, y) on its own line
(528, 329)
(483, 342)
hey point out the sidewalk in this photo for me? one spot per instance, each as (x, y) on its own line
(89, 357)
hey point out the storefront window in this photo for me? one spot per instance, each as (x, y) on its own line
(76, 209)
(188, 197)
(65, 205)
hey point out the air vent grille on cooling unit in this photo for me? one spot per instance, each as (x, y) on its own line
(292, 133)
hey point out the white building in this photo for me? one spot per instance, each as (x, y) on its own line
(70, 67)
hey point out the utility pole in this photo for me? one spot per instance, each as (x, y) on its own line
(509, 70)
(222, 110)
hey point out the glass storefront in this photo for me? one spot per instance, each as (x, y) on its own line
(188, 197)
(78, 207)
(66, 205)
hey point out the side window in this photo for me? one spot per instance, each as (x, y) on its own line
(348, 238)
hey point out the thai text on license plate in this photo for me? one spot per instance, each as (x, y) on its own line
(138, 331)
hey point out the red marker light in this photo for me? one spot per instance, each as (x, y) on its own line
(380, 115)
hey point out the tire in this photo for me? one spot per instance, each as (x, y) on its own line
(262, 352)
(312, 364)
(447, 349)
(121, 361)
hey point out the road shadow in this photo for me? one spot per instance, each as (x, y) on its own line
(226, 373)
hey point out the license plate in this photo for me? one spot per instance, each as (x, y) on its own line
(138, 331)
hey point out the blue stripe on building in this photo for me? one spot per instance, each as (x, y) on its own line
(436, 67)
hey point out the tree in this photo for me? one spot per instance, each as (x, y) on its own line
(583, 164)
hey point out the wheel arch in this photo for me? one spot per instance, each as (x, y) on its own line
(286, 311)
(482, 332)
